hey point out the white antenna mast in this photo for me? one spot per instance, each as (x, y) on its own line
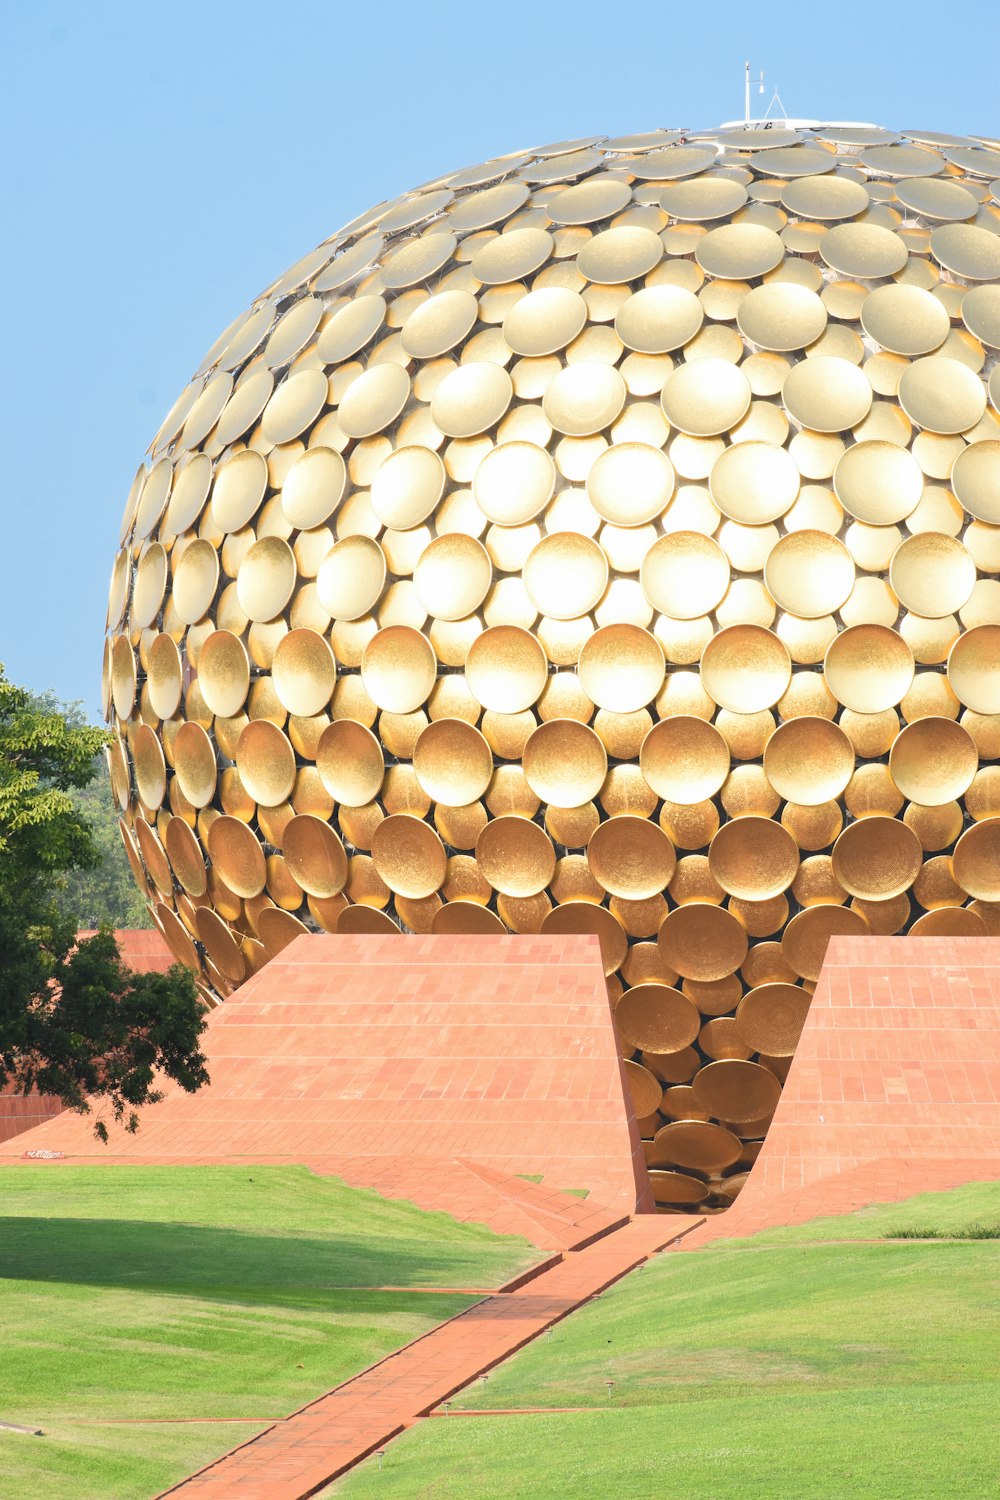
(746, 90)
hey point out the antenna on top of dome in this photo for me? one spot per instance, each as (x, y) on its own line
(746, 89)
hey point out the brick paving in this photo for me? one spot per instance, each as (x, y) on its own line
(293, 1459)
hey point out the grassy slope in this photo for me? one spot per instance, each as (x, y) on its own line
(144, 1293)
(775, 1366)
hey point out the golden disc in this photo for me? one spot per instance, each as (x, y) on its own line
(980, 314)
(237, 857)
(781, 316)
(453, 762)
(642, 1089)
(350, 764)
(439, 323)
(584, 398)
(702, 941)
(224, 673)
(809, 573)
(186, 857)
(805, 939)
(565, 763)
(630, 484)
(621, 668)
(827, 393)
(150, 767)
(471, 399)
(933, 761)
(950, 921)
(616, 255)
(735, 1090)
(351, 578)
(970, 251)
(304, 673)
(753, 858)
(754, 482)
(976, 860)
(658, 319)
(266, 578)
(878, 482)
(825, 197)
(515, 856)
(745, 668)
(367, 921)
(407, 486)
(868, 251)
(809, 760)
(739, 252)
(409, 856)
(685, 575)
(565, 575)
(706, 397)
(974, 669)
(676, 1187)
(698, 1145)
(932, 574)
(266, 763)
(398, 669)
(544, 321)
(584, 918)
(514, 482)
(868, 668)
(632, 858)
(770, 1018)
(700, 199)
(194, 764)
(684, 759)
(942, 395)
(196, 578)
(877, 858)
(975, 479)
(657, 1019)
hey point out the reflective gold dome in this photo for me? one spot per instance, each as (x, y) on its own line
(603, 539)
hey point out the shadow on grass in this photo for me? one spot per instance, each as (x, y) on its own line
(224, 1263)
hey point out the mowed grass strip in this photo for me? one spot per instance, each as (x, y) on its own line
(780, 1365)
(142, 1293)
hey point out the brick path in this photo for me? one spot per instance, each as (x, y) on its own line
(297, 1457)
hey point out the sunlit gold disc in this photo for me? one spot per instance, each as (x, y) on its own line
(304, 672)
(642, 1088)
(809, 760)
(150, 767)
(676, 1187)
(515, 856)
(149, 586)
(942, 395)
(657, 1019)
(706, 397)
(980, 314)
(565, 575)
(970, 251)
(266, 578)
(701, 941)
(745, 668)
(544, 321)
(349, 760)
(351, 578)
(825, 197)
(753, 858)
(466, 919)
(933, 761)
(869, 668)
(453, 762)
(950, 921)
(409, 856)
(266, 763)
(735, 1090)
(932, 574)
(630, 483)
(237, 856)
(471, 399)
(616, 255)
(771, 1017)
(584, 918)
(514, 482)
(186, 857)
(698, 1145)
(398, 669)
(621, 668)
(367, 920)
(684, 759)
(739, 251)
(805, 939)
(826, 393)
(314, 855)
(373, 400)
(976, 860)
(700, 199)
(754, 482)
(631, 857)
(584, 398)
(407, 486)
(657, 319)
(877, 858)
(974, 669)
(194, 764)
(224, 673)
(809, 573)
(438, 324)
(865, 250)
(506, 669)
(238, 490)
(196, 577)
(878, 482)
(565, 763)
(781, 316)
(123, 677)
(975, 479)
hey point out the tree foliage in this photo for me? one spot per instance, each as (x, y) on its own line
(74, 1021)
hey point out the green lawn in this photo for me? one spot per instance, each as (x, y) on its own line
(772, 1368)
(136, 1294)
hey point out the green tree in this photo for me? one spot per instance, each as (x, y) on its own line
(74, 1021)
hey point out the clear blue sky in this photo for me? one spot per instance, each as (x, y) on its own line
(162, 163)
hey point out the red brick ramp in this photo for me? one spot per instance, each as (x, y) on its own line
(383, 1060)
(145, 952)
(895, 1086)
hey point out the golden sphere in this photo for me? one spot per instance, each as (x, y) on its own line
(603, 539)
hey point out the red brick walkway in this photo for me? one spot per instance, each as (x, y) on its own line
(295, 1458)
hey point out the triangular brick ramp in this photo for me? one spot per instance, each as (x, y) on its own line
(432, 1068)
